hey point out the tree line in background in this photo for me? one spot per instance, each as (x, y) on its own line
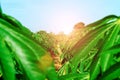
(58, 44)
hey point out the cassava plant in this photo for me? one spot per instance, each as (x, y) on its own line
(21, 57)
(95, 56)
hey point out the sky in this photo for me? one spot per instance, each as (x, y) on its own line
(59, 15)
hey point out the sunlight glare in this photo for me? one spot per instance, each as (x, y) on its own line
(64, 21)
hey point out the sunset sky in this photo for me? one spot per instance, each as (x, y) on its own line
(58, 15)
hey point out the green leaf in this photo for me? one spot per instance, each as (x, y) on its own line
(0, 11)
(6, 61)
(106, 59)
(16, 24)
(72, 76)
(83, 47)
(103, 21)
(112, 73)
(95, 68)
(27, 58)
(28, 52)
(1, 72)
(113, 50)
(51, 74)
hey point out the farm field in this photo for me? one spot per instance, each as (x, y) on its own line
(89, 52)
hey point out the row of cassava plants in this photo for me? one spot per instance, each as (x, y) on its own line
(96, 56)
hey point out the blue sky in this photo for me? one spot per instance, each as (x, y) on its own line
(58, 15)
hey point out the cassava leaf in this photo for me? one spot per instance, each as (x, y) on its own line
(83, 47)
(6, 61)
(112, 73)
(113, 50)
(0, 12)
(102, 21)
(28, 53)
(95, 68)
(72, 76)
(21, 52)
(106, 59)
(16, 24)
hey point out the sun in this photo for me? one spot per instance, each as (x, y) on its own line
(64, 21)
(68, 30)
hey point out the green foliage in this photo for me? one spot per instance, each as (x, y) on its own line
(112, 73)
(21, 57)
(94, 52)
(90, 53)
(46, 40)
